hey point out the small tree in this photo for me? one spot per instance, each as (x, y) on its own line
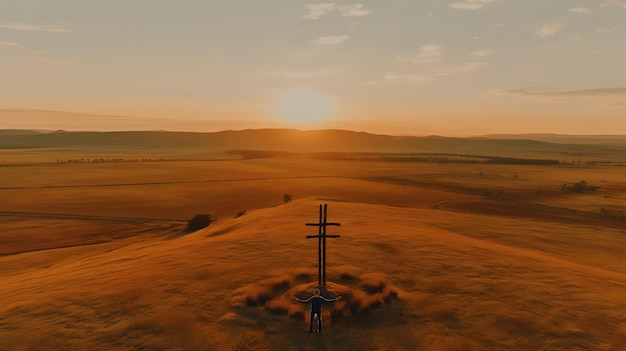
(286, 197)
(580, 187)
(198, 222)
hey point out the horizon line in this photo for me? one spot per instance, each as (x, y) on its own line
(48, 131)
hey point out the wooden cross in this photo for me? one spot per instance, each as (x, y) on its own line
(321, 243)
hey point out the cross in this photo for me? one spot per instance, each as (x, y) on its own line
(321, 243)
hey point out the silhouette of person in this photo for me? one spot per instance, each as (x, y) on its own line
(316, 308)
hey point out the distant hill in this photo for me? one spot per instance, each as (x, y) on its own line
(4, 132)
(309, 141)
(565, 138)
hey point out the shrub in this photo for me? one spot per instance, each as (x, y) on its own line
(198, 222)
(613, 214)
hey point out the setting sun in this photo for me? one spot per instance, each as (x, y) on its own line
(303, 105)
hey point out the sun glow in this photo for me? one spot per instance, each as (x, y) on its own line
(303, 105)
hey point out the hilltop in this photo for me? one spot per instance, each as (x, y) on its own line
(448, 286)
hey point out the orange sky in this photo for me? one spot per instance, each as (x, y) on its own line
(465, 67)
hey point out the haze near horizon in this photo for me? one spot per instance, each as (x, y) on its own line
(456, 67)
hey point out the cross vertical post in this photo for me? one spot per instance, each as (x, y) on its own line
(321, 242)
(324, 244)
(319, 250)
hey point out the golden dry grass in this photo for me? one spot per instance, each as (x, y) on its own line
(89, 262)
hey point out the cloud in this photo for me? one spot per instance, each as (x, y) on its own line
(8, 43)
(428, 53)
(582, 10)
(318, 10)
(599, 92)
(620, 3)
(331, 40)
(574, 37)
(296, 74)
(469, 4)
(300, 74)
(355, 10)
(447, 71)
(443, 71)
(34, 28)
(607, 30)
(548, 30)
(413, 77)
(483, 53)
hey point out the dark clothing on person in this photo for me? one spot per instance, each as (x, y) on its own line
(316, 309)
(316, 303)
(319, 321)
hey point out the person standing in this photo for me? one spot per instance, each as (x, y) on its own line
(316, 302)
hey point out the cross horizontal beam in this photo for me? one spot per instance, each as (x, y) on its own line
(322, 236)
(322, 224)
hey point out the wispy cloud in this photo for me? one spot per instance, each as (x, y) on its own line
(34, 27)
(318, 10)
(574, 37)
(8, 43)
(599, 92)
(620, 3)
(356, 10)
(469, 4)
(431, 54)
(413, 77)
(331, 40)
(607, 30)
(548, 30)
(468, 67)
(443, 71)
(427, 53)
(315, 11)
(582, 10)
(483, 53)
(300, 74)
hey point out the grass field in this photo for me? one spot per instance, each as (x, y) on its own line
(432, 256)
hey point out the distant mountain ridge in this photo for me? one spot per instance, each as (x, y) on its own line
(20, 132)
(564, 138)
(304, 142)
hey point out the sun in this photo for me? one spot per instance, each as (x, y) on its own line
(303, 105)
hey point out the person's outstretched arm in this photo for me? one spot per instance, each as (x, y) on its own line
(303, 301)
(331, 300)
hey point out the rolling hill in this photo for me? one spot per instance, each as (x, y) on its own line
(432, 255)
(410, 281)
(305, 142)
